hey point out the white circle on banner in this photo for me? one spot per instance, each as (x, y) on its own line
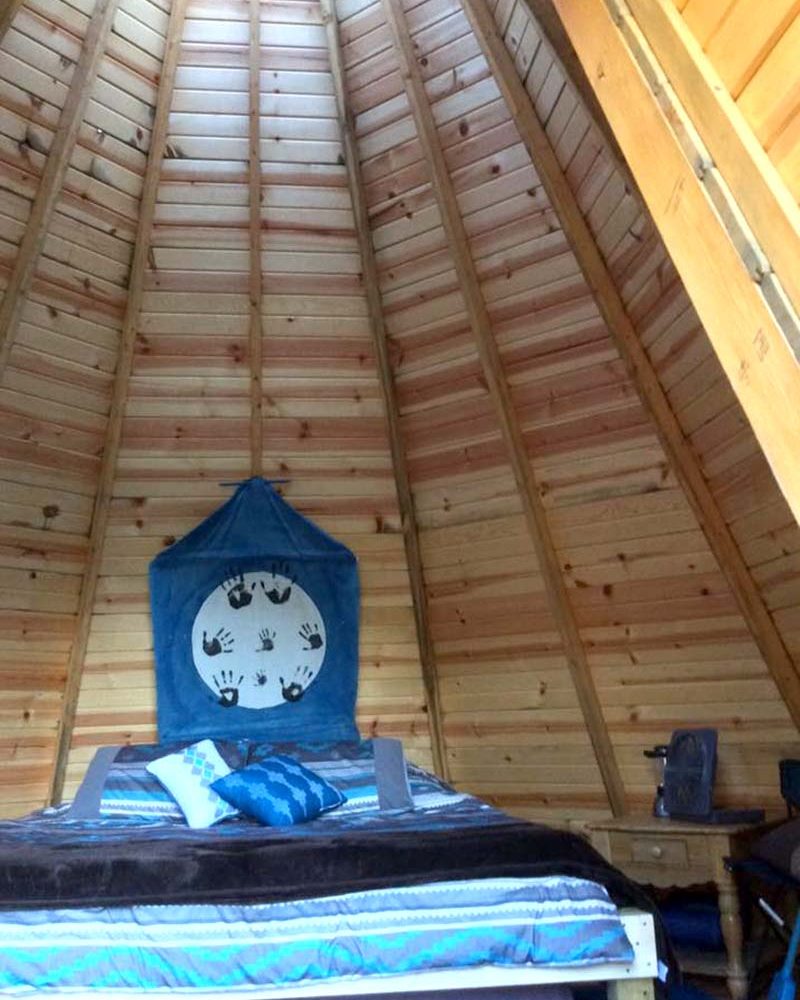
(258, 640)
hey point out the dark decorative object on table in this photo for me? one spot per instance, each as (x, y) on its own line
(687, 790)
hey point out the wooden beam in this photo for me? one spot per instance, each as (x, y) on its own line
(405, 499)
(641, 371)
(8, 11)
(759, 190)
(254, 158)
(52, 178)
(536, 518)
(147, 205)
(757, 359)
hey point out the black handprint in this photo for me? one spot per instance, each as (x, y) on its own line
(229, 694)
(310, 633)
(276, 595)
(294, 690)
(267, 641)
(238, 595)
(261, 678)
(221, 642)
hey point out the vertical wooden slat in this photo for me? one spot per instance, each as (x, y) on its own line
(255, 351)
(404, 496)
(125, 361)
(52, 178)
(558, 596)
(637, 361)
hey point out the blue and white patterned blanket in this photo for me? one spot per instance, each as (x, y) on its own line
(450, 925)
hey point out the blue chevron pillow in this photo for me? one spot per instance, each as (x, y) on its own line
(278, 791)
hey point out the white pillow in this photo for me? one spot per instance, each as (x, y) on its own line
(187, 776)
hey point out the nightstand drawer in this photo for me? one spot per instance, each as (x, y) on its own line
(633, 851)
(646, 850)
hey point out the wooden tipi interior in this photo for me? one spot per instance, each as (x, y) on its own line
(504, 291)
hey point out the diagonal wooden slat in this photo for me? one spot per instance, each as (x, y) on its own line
(557, 593)
(405, 498)
(553, 32)
(254, 176)
(641, 371)
(52, 178)
(8, 11)
(108, 466)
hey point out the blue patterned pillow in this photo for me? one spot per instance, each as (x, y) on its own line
(278, 791)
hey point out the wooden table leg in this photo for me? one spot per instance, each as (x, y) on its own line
(731, 921)
(631, 989)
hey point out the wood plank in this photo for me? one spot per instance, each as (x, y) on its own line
(558, 598)
(102, 500)
(7, 15)
(774, 92)
(638, 363)
(54, 174)
(746, 37)
(755, 183)
(378, 328)
(255, 291)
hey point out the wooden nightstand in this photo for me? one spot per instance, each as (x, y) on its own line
(667, 853)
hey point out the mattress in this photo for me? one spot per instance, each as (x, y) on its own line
(552, 922)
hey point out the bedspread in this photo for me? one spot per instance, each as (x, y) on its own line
(52, 862)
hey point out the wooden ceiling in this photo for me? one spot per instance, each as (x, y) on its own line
(388, 253)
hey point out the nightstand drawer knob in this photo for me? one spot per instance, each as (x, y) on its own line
(657, 851)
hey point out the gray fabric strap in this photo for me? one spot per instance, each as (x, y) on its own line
(86, 804)
(391, 777)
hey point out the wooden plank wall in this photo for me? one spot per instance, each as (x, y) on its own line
(755, 48)
(666, 641)
(186, 424)
(55, 390)
(505, 688)
(712, 674)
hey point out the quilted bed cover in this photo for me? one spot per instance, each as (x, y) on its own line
(105, 905)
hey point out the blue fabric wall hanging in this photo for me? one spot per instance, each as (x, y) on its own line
(255, 623)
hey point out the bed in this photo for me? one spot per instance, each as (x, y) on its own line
(160, 878)
(447, 894)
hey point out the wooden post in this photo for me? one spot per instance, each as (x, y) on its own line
(255, 350)
(557, 593)
(52, 178)
(405, 498)
(105, 486)
(612, 309)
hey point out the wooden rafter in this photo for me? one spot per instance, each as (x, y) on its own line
(557, 593)
(105, 485)
(52, 178)
(755, 183)
(8, 11)
(748, 341)
(405, 498)
(633, 353)
(255, 351)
